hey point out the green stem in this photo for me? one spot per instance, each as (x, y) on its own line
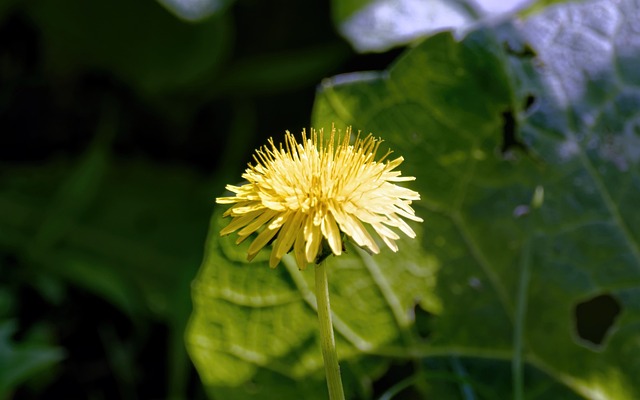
(327, 341)
(520, 315)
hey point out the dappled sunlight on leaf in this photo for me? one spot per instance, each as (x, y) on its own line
(258, 323)
(378, 25)
(442, 104)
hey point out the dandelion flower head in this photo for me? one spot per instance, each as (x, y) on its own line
(304, 194)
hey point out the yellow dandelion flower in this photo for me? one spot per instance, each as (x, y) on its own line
(311, 192)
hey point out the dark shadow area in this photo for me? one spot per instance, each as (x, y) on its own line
(424, 321)
(595, 317)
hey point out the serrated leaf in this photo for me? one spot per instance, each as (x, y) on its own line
(444, 106)
(254, 330)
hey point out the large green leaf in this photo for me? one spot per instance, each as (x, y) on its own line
(378, 25)
(508, 280)
(253, 333)
(507, 285)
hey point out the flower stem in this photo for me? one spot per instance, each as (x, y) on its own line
(327, 341)
(517, 363)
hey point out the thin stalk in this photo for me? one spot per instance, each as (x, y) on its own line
(327, 340)
(517, 366)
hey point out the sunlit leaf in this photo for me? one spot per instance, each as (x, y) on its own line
(378, 25)
(459, 114)
(523, 140)
(254, 330)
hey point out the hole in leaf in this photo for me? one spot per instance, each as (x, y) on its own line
(423, 320)
(595, 317)
(529, 101)
(395, 381)
(509, 139)
(508, 130)
(523, 50)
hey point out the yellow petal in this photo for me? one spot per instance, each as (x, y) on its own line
(239, 222)
(302, 193)
(274, 260)
(385, 232)
(287, 235)
(398, 222)
(360, 235)
(260, 241)
(314, 239)
(298, 250)
(332, 233)
(257, 223)
(245, 233)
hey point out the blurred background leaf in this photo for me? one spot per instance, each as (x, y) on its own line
(116, 231)
(20, 361)
(139, 42)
